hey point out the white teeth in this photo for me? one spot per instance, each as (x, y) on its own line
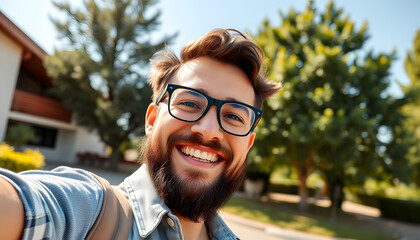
(197, 153)
(201, 156)
(204, 156)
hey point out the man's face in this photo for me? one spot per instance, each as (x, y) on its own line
(179, 143)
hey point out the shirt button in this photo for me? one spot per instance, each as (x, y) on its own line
(170, 222)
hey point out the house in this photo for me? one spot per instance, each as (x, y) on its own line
(24, 98)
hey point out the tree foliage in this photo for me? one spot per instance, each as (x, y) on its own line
(333, 112)
(19, 134)
(100, 72)
(412, 110)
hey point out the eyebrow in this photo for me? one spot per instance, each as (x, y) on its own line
(227, 99)
(194, 93)
(241, 107)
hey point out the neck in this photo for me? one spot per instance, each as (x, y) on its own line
(193, 230)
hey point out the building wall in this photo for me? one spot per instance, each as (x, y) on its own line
(71, 142)
(66, 142)
(10, 58)
(63, 152)
(88, 142)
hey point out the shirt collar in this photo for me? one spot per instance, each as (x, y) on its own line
(148, 208)
(218, 229)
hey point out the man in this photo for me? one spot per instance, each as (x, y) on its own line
(199, 130)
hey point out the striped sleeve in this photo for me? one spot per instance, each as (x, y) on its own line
(59, 204)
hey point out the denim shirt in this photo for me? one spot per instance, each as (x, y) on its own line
(65, 202)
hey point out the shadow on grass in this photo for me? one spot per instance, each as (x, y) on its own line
(316, 220)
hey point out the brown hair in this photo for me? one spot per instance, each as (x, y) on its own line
(224, 46)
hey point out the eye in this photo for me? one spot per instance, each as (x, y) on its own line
(234, 117)
(189, 104)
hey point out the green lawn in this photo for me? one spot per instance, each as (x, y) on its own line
(316, 220)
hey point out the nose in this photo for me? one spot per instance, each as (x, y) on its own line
(208, 127)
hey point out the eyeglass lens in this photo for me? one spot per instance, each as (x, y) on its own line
(189, 105)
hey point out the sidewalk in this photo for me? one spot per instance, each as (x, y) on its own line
(278, 232)
(401, 230)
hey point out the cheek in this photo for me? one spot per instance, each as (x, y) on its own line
(239, 148)
(160, 129)
(165, 122)
(165, 126)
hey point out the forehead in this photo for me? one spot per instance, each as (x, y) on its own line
(219, 80)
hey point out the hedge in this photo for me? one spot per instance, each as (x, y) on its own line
(18, 161)
(368, 200)
(289, 189)
(402, 210)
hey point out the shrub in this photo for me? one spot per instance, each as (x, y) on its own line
(401, 210)
(289, 189)
(368, 200)
(17, 161)
(19, 134)
(397, 209)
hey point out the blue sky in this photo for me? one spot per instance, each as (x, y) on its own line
(391, 23)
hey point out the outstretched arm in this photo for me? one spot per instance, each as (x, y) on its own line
(12, 213)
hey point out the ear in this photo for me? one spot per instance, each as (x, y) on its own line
(150, 118)
(251, 140)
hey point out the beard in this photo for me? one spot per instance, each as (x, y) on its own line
(191, 197)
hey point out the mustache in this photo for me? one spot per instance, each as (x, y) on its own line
(174, 139)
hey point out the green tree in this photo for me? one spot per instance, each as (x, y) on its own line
(100, 73)
(19, 134)
(333, 112)
(412, 110)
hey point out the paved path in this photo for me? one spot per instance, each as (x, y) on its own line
(398, 229)
(247, 229)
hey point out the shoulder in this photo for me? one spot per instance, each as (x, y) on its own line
(62, 175)
(62, 182)
(218, 229)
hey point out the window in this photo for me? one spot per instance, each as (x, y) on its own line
(44, 136)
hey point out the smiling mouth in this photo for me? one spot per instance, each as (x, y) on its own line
(198, 155)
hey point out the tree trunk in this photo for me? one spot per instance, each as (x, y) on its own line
(336, 193)
(266, 182)
(113, 159)
(304, 169)
(303, 192)
(336, 196)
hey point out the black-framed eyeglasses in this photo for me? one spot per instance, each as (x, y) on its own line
(190, 105)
